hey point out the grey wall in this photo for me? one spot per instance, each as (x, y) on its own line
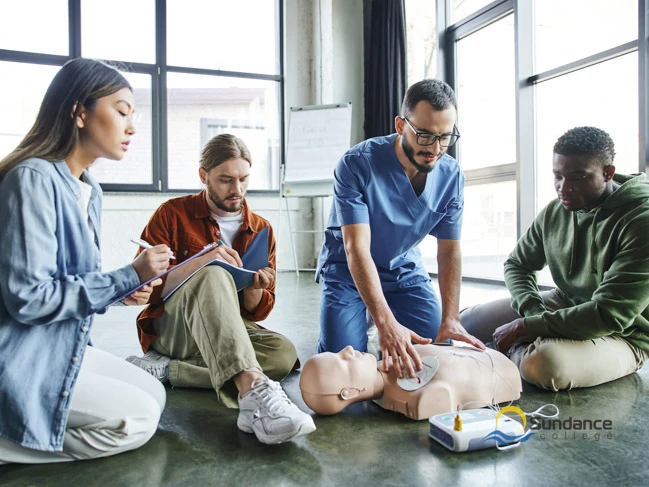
(298, 53)
(324, 64)
(348, 60)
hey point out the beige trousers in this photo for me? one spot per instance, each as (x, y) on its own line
(556, 363)
(115, 407)
(202, 330)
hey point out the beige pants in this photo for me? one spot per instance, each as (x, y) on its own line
(209, 342)
(557, 363)
(115, 407)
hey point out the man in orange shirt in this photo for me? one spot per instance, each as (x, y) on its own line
(205, 334)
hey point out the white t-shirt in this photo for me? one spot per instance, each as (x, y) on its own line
(84, 203)
(229, 226)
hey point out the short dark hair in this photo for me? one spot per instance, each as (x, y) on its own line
(439, 94)
(589, 141)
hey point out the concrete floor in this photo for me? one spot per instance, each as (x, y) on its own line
(198, 442)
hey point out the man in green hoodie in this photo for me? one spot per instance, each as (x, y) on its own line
(594, 326)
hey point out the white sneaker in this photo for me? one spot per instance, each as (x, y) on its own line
(267, 412)
(154, 363)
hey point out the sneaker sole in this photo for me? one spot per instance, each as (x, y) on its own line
(136, 361)
(304, 429)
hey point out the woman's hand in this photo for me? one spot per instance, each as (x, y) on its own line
(141, 296)
(152, 262)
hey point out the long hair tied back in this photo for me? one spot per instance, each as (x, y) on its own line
(54, 135)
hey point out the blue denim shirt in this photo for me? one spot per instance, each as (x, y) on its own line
(51, 284)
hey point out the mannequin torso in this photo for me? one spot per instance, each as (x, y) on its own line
(465, 374)
(465, 378)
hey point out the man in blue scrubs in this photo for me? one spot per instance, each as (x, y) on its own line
(389, 193)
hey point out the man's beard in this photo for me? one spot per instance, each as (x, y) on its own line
(221, 204)
(410, 154)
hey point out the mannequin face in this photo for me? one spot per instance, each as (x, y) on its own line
(346, 369)
(331, 381)
(350, 368)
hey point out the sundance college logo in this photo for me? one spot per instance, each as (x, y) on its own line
(572, 429)
(552, 428)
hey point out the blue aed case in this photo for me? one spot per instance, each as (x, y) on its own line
(479, 430)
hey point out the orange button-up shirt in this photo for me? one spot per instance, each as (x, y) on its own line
(186, 226)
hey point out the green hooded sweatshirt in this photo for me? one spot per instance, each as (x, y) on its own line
(599, 260)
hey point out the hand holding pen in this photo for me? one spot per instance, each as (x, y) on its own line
(226, 254)
(153, 262)
(145, 245)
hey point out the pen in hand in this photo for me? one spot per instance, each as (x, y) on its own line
(145, 245)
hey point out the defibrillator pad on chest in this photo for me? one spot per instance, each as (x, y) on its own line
(423, 377)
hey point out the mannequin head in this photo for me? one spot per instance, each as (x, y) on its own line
(332, 381)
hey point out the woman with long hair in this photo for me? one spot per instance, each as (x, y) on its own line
(59, 399)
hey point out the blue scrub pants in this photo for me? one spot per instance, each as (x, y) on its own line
(343, 313)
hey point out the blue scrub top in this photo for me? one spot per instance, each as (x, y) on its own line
(370, 186)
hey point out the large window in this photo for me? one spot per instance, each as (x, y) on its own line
(197, 67)
(136, 167)
(489, 229)
(421, 40)
(525, 72)
(422, 55)
(566, 31)
(225, 35)
(23, 20)
(482, 61)
(200, 107)
(586, 72)
(485, 90)
(587, 97)
(21, 99)
(135, 23)
(463, 8)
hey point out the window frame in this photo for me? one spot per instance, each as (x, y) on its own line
(158, 72)
(526, 80)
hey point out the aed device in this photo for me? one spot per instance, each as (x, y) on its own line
(477, 430)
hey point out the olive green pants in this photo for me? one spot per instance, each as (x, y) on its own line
(557, 363)
(209, 342)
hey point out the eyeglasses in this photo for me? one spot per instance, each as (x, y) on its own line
(426, 138)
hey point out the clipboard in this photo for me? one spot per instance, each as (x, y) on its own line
(205, 250)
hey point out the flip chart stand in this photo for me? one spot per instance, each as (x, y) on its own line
(318, 136)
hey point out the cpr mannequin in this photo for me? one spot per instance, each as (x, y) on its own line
(465, 378)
